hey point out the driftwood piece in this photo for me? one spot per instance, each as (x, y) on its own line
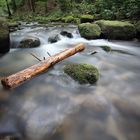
(18, 78)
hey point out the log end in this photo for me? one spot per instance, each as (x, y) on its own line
(5, 84)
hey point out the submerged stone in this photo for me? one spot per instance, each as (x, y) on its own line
(89, 31)
(53, 39)
(83, 73)
(4, 37)
(117, 29)
(30, 42)
(106, 48)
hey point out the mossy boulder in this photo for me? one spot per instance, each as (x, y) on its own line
(106, 48)
(86, 18)
(89, 31)
(4, 37)
(30, 42)
(138, 29)
(83, 73)
(117, 29)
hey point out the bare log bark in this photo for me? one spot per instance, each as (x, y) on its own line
(21, 76)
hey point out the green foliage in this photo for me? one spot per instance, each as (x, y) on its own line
(100, 9)
(118, 9)
(65, 5)
(106, 9)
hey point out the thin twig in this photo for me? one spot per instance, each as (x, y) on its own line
(48, 53)
(35, 56)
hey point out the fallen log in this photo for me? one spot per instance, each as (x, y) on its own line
(18, 78)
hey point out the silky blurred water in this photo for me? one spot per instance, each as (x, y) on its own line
(52, 106)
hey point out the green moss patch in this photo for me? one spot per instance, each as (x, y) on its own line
(89, 31)
(83, 73)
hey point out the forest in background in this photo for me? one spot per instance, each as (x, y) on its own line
(70, 10)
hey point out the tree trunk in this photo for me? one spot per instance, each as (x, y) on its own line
(32, 5)
(8, 8)
(19, 77)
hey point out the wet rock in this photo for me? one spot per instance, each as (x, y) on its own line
(4, 37)
(89, 31)
(53, 39)
(117, 29)
(83, 73)
(30, 42)
(138, 29)
(106, 48)
(86, 18)
(67, 34)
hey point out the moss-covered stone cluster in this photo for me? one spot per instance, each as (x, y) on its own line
(118, 30)
(83, 73)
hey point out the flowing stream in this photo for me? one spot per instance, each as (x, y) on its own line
(52, 106)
